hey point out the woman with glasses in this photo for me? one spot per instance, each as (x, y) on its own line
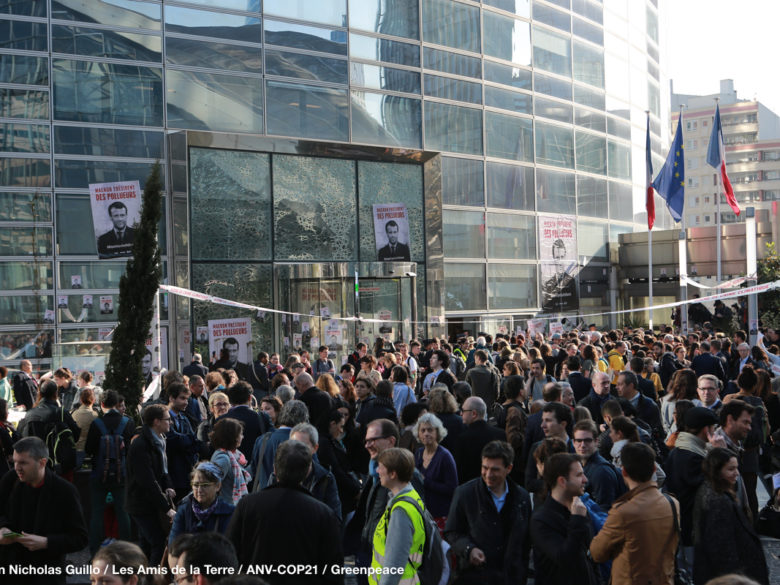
(218, 405)
(225, 438)
(202, 510)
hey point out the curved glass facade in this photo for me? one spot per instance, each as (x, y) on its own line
(537, 108)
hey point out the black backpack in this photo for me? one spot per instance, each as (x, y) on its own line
(110, 464)
(432, 568)
(61, 444)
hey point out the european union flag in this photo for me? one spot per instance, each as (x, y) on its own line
(670, 182)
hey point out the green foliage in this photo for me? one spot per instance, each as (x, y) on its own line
(769, 302)
(137, 289)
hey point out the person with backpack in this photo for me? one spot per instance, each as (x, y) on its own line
(399, 537)
(488, 523)
(108, 440)
(54, 425)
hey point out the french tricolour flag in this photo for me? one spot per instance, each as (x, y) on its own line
(649, 196)
(716, 158)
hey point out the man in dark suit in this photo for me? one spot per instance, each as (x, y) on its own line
(117, 241)
(25, 386)
(478, 433)
(317, 401)
(265, 523)
(255, 423)
(241, 369)
(647, 410)
(706, 363)
(394, 250)
(579, 383)
(196, 367)
(645, 385)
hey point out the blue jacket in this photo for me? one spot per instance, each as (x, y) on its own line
(261, 469)
(186, 522)
(322, 485)
(604, 481)
(182, 448)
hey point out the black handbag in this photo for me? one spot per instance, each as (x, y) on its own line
(681, 576)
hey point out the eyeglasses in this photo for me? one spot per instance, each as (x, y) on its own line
(708, 389)
(370, 441)
(202, 486)
(221, 404)
(582, 440)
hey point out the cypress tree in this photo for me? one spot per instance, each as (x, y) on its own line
(137, 288)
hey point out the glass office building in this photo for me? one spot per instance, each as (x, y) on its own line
(282, 123)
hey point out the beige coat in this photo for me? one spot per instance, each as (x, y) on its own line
(640, 536)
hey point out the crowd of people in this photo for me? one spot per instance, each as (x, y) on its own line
(593, 457)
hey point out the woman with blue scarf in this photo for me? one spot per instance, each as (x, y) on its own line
(202, 510)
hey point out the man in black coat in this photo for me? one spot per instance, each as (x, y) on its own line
(560, 528)
(706, 363)
(644, 385)
(317, 401)
(150, 492)
(580, 385)
(256, 424)
(599, 394)
(196, 367)
(478, 433)
(38, 421)
(283, 525)
(646, 409)
(488, 522)
(182, 446)
(484, 379)
(25, 386)
(45, 508)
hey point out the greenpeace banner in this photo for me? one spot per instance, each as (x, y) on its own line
(558, 260)
(116, 210)
(391, 232)
(234, 335)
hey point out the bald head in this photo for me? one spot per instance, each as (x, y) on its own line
(303, 381)
(474, 409)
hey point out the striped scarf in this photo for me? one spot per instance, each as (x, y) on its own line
(240, 475)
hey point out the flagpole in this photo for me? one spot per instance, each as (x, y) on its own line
(683, 252)
(649, 244)
(717, 214)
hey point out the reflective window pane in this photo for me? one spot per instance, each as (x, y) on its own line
(621, 204)
(555, 18)
(519, 7)
(619, 128)
(592, 241)
(512, 287)
(307, 111)
(462, 181)
(464, 234)
(506, 99)
(24, 36)
(228, 57)
(102, 274)
(555, 192)
(451, 24)
(553, 110)
(386, 120)
(25, 172)
(511, 236)
(554, 145)
(589, 97)
(453, 128)
(588, 64)
(333, 12)
(508, 75)
(374, 49)
(311, 38)
(381, 182)
(24, 138)
(78, 174)
(26, 275)
(591, 153)
(509, 137)
(389, 78)
(591, 196)
(453, 63)
(107, 93)
(619, 160)
(101, 43)
(319, 229)
(24, 103)
(507, 38)
(24, 310)
(453, 89)
(590, 120)
(24, 70)
(207, 101)
(465, 286)
(115, 12)
(306, 67)
(552, 86)
(212, 24)
(398, 18)
(243, 5)
(510, 186)
(589, 31)
(589, 10)
(552, 52)
(107, 142)
(23, 7)
(224, 184)
(25, 206)
(25, 241)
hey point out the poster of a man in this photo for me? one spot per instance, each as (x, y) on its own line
(116, 209)
(558, 255)
(62, 302)
(106, 305)
(391, 232)
(75, 281)
(230, 340)
(146, 367)
(86, 301)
